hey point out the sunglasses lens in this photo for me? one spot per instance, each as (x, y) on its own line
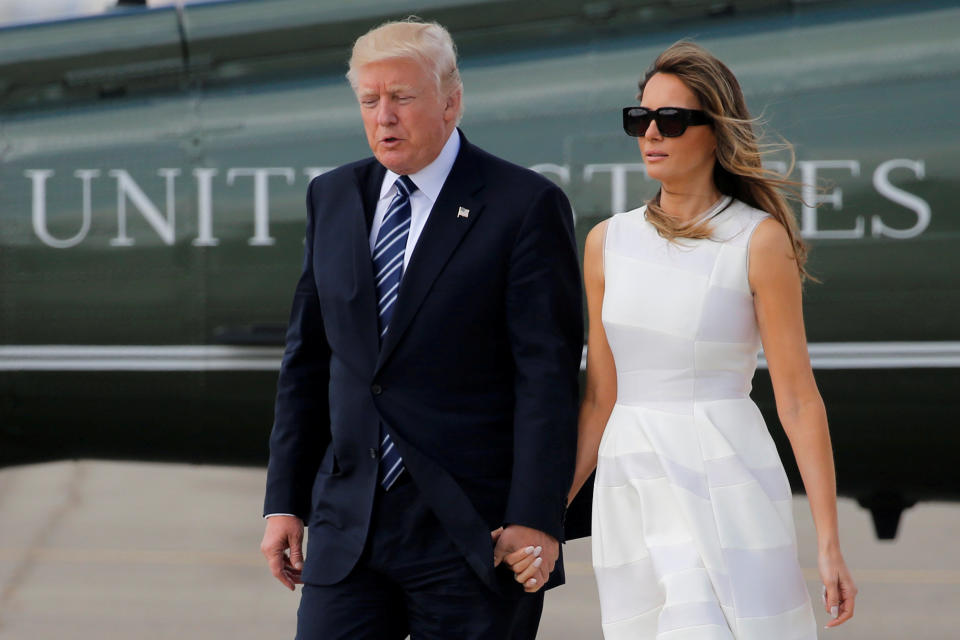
(671, 123)
(636, 122)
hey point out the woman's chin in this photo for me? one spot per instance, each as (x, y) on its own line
(656, 172)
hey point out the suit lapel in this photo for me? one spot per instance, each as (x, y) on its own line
(368, 180)
(443, 232)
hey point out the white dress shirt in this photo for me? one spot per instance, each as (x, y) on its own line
(429, 181)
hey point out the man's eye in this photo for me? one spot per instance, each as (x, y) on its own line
(369, 102)
(405, 98)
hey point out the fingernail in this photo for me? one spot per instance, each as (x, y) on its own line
(531, 582)
(528, 550)
(538, 562)
(298, 566)
(537, 551)
(834, 611)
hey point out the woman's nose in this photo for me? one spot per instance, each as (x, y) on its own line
(652, 131)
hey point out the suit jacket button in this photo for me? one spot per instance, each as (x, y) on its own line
(377, 389)
(373, 453)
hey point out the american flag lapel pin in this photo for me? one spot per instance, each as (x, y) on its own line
(463, 212)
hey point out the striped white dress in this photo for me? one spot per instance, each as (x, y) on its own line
(693, 534)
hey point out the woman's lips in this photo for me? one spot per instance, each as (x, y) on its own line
(654, 156)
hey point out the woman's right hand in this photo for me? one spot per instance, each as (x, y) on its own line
(524, 564)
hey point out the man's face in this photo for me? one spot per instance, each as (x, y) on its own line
(406, 120)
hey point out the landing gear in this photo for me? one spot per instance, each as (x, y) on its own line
(886, 508)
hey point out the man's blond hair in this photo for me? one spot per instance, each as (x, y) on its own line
(428, 43)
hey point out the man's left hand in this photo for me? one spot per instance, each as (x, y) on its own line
(530, 553)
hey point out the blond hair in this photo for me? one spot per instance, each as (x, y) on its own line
(738, 171)
(428, 43)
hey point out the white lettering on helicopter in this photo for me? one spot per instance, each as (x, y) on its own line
(128, 190)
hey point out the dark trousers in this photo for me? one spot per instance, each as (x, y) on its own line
(411, 580)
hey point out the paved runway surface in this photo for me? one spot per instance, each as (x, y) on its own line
(104, 550)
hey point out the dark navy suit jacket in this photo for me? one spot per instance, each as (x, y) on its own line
(476, 379)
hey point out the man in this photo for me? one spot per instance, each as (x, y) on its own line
(428, 390)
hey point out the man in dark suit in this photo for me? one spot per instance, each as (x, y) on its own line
(426, 407)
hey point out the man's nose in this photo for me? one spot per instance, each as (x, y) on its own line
(386, 114)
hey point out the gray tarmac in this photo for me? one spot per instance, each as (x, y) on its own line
(108, 550)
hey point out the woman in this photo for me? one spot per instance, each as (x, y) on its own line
(692, 525)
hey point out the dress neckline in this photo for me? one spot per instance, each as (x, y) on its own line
(716, 209)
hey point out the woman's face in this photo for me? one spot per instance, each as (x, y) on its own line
(684, 160)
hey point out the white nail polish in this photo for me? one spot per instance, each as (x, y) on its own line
(538, 551)
(531, 582)
(538, 562)
(834, 611)
(528, 550)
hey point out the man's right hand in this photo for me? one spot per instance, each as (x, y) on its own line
(530, 553)
(284, 533)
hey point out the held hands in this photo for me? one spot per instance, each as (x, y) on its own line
(284, 533)
(530, 554)
(839, 591)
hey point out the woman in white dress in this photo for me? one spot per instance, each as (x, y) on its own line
(693, 534)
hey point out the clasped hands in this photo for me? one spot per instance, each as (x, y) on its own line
(530, 554)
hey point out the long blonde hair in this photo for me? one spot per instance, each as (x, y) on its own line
(738, 171)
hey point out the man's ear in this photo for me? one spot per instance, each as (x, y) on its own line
(452, 107)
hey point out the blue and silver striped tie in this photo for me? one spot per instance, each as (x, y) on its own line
(388, 268)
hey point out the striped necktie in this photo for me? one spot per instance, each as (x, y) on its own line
(388, 268)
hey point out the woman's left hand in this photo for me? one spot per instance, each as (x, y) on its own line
(840, 592)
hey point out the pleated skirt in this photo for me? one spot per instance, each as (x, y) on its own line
(693, 534)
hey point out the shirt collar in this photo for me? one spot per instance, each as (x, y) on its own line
(430, 179)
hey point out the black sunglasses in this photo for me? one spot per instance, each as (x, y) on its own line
(671, 121)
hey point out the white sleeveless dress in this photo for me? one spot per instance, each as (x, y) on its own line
(693, 535)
